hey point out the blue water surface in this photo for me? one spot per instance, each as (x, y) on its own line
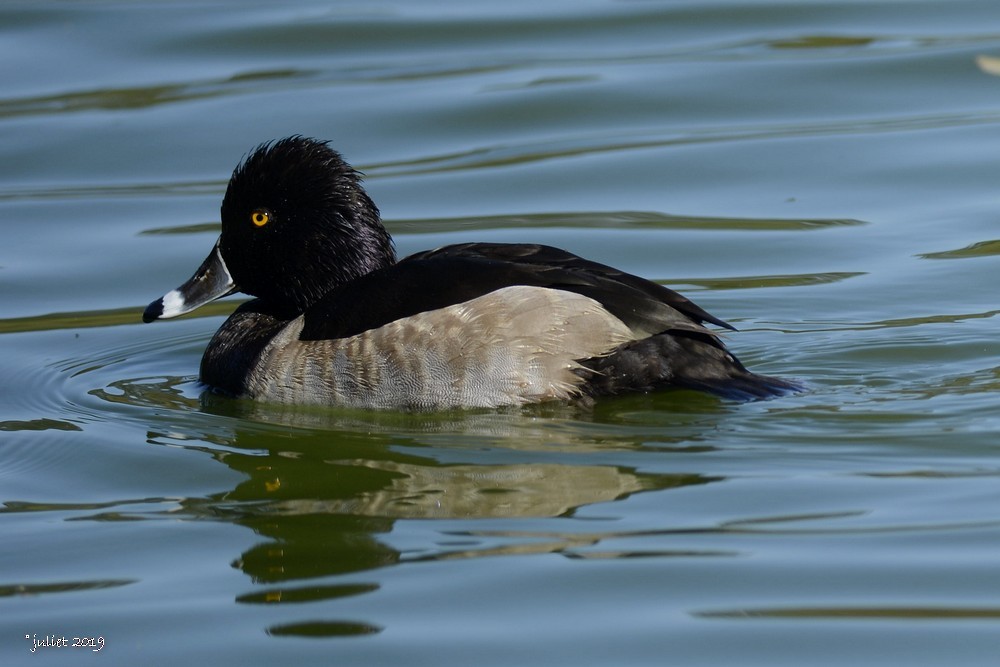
(822, 174)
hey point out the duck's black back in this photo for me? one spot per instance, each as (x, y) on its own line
(458, 273)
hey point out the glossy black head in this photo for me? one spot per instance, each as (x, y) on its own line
(296, 223)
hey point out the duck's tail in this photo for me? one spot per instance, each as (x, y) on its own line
(679, 359)
(746, 386)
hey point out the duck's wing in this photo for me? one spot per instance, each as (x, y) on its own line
(552, 262)
(458, 273)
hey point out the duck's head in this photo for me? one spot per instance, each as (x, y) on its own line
(296, 223)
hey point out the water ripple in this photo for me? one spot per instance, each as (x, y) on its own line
(19, 590)
(601, 142)
(625, 220)
(900, 613)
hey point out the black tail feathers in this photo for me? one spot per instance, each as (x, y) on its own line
(743, 387)
(683, 360)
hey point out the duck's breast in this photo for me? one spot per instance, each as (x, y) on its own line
(512, 346)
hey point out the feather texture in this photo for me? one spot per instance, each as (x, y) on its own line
(511, 346)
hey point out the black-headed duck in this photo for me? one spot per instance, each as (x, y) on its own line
(339, 321)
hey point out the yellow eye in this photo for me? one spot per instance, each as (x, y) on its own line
(260, 218)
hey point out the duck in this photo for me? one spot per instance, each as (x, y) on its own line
(337, 320)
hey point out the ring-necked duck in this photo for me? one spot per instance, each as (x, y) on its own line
(337, 320)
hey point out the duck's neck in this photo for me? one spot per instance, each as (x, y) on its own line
(369, 248)
(368, 245)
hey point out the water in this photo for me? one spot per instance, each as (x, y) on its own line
(821, 174)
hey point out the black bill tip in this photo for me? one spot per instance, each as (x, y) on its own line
(153, 311)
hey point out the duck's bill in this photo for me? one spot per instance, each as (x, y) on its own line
(211, 281)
